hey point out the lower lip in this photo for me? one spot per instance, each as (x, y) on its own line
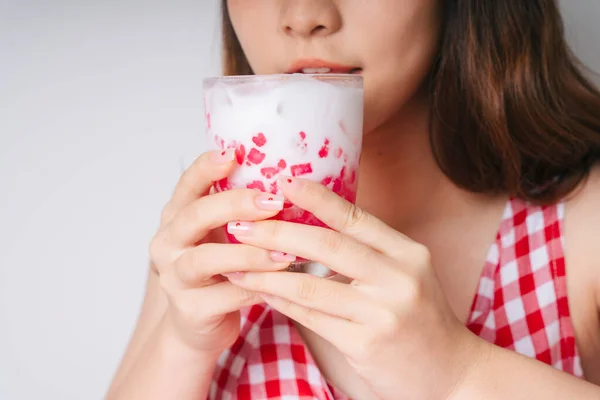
(355, 71)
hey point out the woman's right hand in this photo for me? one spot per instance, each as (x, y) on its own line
(190, 257)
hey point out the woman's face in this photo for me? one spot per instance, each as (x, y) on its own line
(392, 43)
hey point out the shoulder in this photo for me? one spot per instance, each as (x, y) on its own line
(582, 229)
(582, 256)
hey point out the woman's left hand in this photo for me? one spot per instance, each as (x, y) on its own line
(392, 322)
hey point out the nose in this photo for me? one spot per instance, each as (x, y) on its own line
(310, 18)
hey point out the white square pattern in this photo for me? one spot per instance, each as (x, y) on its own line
(539, 258)
(515, 311)
(546, 294)
(525, 346)
(285, 368)
(534, 222)
(553, 333)
(509, 273)
(282, 334)
(256, 373)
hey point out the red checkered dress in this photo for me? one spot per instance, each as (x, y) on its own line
(520, 304)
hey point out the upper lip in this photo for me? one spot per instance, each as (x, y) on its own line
(299, 65)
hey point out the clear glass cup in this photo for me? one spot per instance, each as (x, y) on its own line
(308, 126)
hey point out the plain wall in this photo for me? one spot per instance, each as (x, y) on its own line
(100, 109)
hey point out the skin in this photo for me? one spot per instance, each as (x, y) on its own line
(435, 262)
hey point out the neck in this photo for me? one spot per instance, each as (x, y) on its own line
(400, 181)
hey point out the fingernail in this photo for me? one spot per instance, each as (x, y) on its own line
(234, 276)
(223, 157)
(278, 256)
(239, 228)
(269, 202)
(289, 182)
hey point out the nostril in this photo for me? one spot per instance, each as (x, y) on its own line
(318, 29)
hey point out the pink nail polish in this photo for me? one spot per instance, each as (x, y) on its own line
(278, 256)
(238, 228)
(223, 157)
(269, 202)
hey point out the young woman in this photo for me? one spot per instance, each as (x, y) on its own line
(471, 261)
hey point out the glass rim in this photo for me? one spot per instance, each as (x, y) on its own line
(350, 79)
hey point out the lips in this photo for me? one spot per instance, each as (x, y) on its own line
(316, 66)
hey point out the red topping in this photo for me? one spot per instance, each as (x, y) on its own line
(337, 185)
(324, 152)
(269, 172)
(326, 181)
(222, 185)
(282, 164)
(288, 204)
(260, 140)
(274, 187)
(353, 176)
(302, 135)
(301, 169)
(240, 154)
(343, 173)
(338, 152)
(256, 185)
(255, 156)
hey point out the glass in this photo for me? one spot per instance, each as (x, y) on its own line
(308, 126)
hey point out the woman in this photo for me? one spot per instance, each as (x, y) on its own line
(476, 237)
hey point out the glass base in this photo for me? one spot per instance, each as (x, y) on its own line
(312, 268)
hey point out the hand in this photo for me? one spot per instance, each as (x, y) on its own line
(392, 322)
(203, 306)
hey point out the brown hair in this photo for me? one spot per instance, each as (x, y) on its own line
(512, 110)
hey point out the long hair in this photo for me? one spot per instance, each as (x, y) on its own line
(512, 111)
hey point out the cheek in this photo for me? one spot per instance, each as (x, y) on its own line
(398, 64)
(254, 22)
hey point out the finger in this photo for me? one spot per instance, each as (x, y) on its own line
(339, 252)
(201, 216)
(338, 331)
(196, 266)
(341, 215)
(197, 180)
(215, 300)
(323, 295)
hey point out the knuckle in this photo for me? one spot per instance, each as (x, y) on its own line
(421, 254)
(411, 294)
(311, 318)
(331, 241)
(307, 290)
(273, 228)
(185, 267)
(244, 296)
(388, 323)
(356, 216)
(157, 249)
(167, 213)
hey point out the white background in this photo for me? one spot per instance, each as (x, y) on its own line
(100, 108)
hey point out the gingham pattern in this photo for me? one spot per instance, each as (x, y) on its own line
(521, 304)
